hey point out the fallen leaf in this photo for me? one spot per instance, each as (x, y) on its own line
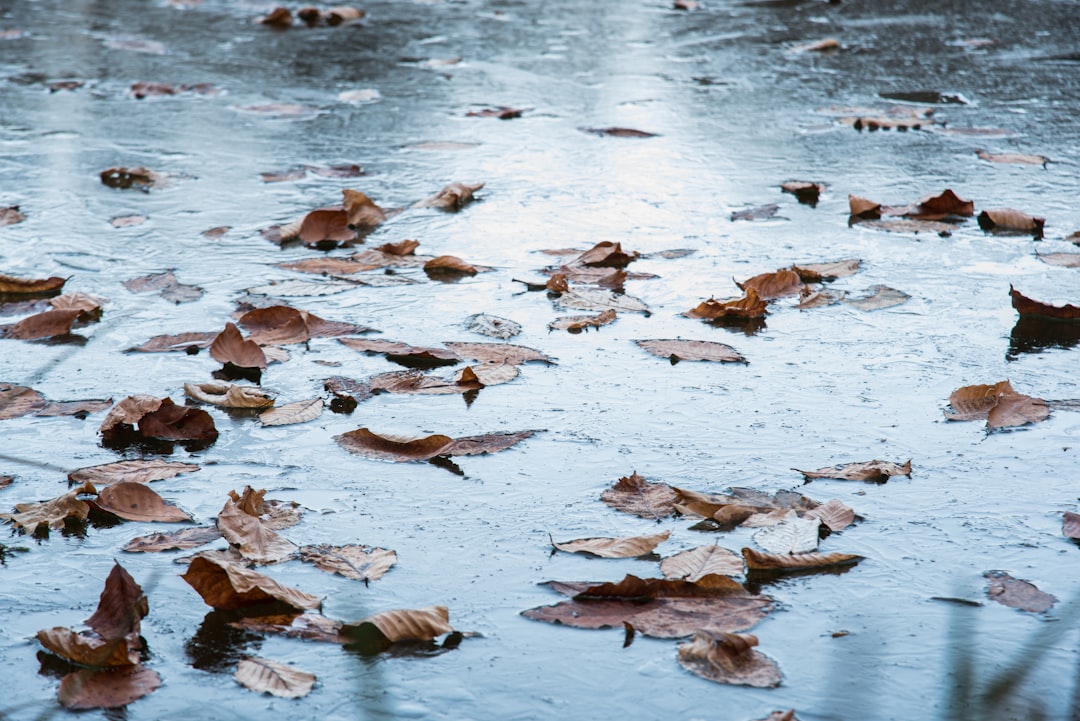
(48, 324)
(833, 514)
(347, 393)
(728, 658)
(180, 342)
(590, 299)
(805, 192)
(32, 517)
(449, 265)
(273, 514)
(278, 18)
(863, 208)
(87, 649)
(302, 288)
(403, 353)
(693, 564)
(326, 225)
(359, 97)
(139, 178)
(415, 382)
(627, 547)
(751, 305)
(757, 561)
(228, 395)
(691, 350)
(106, 688)
(874, 471)
(254, 540)
(17, 401)
(1009, 220)
(879, 297)
(183, 539)
(127, 221)
(308, 626)
(502, 113)
(225, 586)
(1013, 158)
(342, 14)
(774, 285)
(487, 443)
(452, 197)
(500, 353)
(1028, 307)
(792, 535)
(361, 210)
(974, 402)
(761, 212)
(135, 44)
(167, 285)
(743, 506)
(937, 207)
(363, 442)
(819, 46)
(290, 413)
(616, 132)
(170, 422)
(1070, 526)
(13, 286)
(487, 374)
(1014, 593)
(495, 327)
(578, 323)
(605, 254)
(11, 216)
(819, 272)
(264, 676)
(360, 563)
(137, 502)
(897, 117)
(1064, 260)
(230, 347)
(633, 494)
(1016, 409)
(389, 627)
(657, 607)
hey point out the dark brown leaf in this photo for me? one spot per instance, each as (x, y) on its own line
(751, 305)
(361, 210)
(124, 178)
(806, 192)
(121, 606)
(502, 113)
(171, 422)
(605, 254)
(363, 442)
(1028, 307)
(691, 350)
(230, 347)
(818, 272)
(1011, 220)
(225, 586)
(12, 286)
(633, 494)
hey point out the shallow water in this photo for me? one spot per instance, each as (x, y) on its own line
(737, 112)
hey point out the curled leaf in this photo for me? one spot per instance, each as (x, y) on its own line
(452, 197)
(633, 494)
(751, 305)
(728, 658)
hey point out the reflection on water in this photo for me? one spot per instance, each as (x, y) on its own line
(218, 646)
(1033, 334)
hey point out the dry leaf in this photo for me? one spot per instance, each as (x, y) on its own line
(1009, 219)
(502, 113)
(751, 305)
(627, 547)
(363, 442)
(190, 343)
(605, 254)
(805, 192)
(728, 658)
(170, 422)
(183, 539)
(1014, 593)
(761, 212)
(228, 395)
(449, 265)
(87, 649)
(1013, 158)
(780, 284)
(487, 374)
(819, 272)
(11, 216)
(1016, 409)
(691, 350)
(633, 494)
(326, 225)
(402, 353)
(863, 208)
(874, 471)
(362, 212)
(290, 413)
(254, 539)
(106, 688)
(973, 403)
(493, 326)
(833, 514)
(499, 353)
(225, 586)
(757, 561)
(879, 296)
(125, 414)
(231, 347)
(657, 607)
(124, 178)
(264, 676)
(695, 563)
(1028, 307)
(361, 563)
(12, 286)
(137, 502)
(279, 18)
(309, 626)
(1064, 260)
(597, 299)
(17, 401)
(819, 46)
(578, 323)
(616, 132)
(791, 535)
(422, 624)
(453, 197)
(79, 409)
(47, 324)
(1070, 525)
(415, 382)
(30, 517)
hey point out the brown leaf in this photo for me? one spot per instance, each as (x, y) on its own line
(255, 541)
(403, 353)
(818, 272)
(231, 347)
(11, 216)
(495, 327)
(691, 350)
(806, 192)
(328, 266)
(17, 401)
(452, 197)
(138, 502)
(879, 296)
(937, 207)
(819, 298)
(363, 442)
(290, 413)
(487, 374)
(171, 422)
(10, 285)
(121, 606)
(657, 607)
(30, 517)
(107, 688)
(347, 393)
(874, 471)
(127, 221)
(758, 561)
(973, 403)
(498, 353)
(275, 515)
(1013, 158)
(502, 113)
(422, 624)
(605, 254)
(264, 676)
(449, 264)
(124, 178)
(225, 586)
(616, 132)
(761, 212)
(833, 514)
(74, 408)
(1028, 307)
(578, 323)
(487, 443)
(48, 324)
(774, 285)
(751, 305)
(183, 539)
(228, 395)
(695, 563)
(361, 563)
(1016, 409)
(279, 17)
(1064, 260)
(1014, 593)
(627, 547)
(415, 382)
(326, 225)
(275, 325)
(308, 626)
(728, 658)
(1009, 219)
(87, 649)
(181, 342)
(863, 208)
(599, 299)
(361, 211)
(633, 494)
(1070, 525)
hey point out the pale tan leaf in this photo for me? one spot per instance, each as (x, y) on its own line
(298, 412)
(818, 272)
(626, 547)
(876, 471)
(974, 402)
(422, 624)
(832, 514)
(264, 676)
(1010, 219)
(596, 299)
(17, 401)
(578, 323)
(757, 561)
(228, 395)
(728, 658)
(791, 535)
(498, 353)
(492, 326)
(489, 374)
(878, 297)
(1064, 260)
(1016, 409)
(695, 563)
(52, 513)
(452, 197)
(302, 288)
(633, 494)
(255, 541)
(361, 563)
(691, 350)
(183, 539)
(1013, 158)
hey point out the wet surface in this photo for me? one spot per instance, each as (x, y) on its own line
(736, 110)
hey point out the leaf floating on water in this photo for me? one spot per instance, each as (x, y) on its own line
(13, 286)
(1070, 525)
(780, 284)
(1064, 260)
(308, 626)
(627, 547)
(404, 354)
(502, 113)
(226, 586)
(231, 347)
(35, 517)
(698, 562)
(635, 495)
(48, 324)
(750, 305)
(184, 539)
(264, 676)
(302, 288)
(1016, 409)
(171, 343)
(167, 286)
(874, 471)
(11, 216)
(819, 272)
(1013, 158)
(1011, 220)
(17, 401)
(757, 561)
(326, 225)
(578, 323)
(139, 178)
(806, 192)
(999, 404)
(879, 297)
(107, 688)
(290, 413)
(228, 395)
(832, 514)
(493, 326)
(452, 197)
(390, 627)
(360, 563)
(1014, 593)
(255, 540)
(761, 212)
(691, 350)
(507, 353)
(449, 266)
(589, 299)
(791, 535)
(1028, 307)
(363, 442)
(138, 502)
(728, 658)
(616, 132)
